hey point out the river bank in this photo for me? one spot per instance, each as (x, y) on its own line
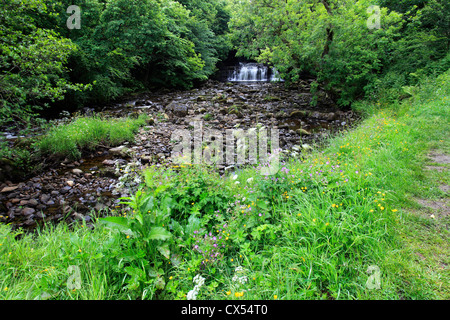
(75, 190)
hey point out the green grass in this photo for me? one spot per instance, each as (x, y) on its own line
(37, 266)
(316, 230)
(69, 140)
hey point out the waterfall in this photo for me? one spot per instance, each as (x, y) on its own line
(249, 72)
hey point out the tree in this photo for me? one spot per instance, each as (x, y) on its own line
(326, 38)
(32, 65)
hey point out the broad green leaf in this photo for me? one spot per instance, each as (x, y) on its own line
(117, 223)
(160, 283)
(159, 233)
(164, 250)
(147, 205)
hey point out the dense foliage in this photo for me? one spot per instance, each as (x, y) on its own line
(121, 46)
(355, 49)
(352, 47)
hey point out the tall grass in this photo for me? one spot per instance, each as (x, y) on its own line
(69, 140)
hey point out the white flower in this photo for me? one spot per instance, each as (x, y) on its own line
(192, 295)
(199, 280)
(250, 180)
(243, 280)
(237, 182)
(234, 177)
(239, 269)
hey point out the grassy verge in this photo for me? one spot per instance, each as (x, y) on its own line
(341, 223)
(69, 140)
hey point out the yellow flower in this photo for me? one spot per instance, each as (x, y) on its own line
(394, 210)
(170, 278)
(6, 289)
(232, 260)
(382, 208)
(228, 293)
(79, 250)
(275, 297)
(128, 237)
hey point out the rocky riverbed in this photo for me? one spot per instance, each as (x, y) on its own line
(77, 190)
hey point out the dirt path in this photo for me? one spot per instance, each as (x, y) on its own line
(440, 165)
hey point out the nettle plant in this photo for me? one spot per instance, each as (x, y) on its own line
(146, 243)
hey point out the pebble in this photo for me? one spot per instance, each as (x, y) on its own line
(28, 211)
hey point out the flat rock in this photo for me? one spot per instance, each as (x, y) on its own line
(108, 162)
(119, 151)
(28, 211)
(9, 189)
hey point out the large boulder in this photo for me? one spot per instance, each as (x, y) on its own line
(178, 110)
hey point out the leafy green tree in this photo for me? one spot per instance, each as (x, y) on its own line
(32, 64)
(332, 40)
(326, 38)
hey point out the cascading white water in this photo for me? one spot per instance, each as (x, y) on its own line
(249, 72)
(253, 72)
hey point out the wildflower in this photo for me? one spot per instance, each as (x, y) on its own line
(275, 297)
(228, 293)
(394, 210)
